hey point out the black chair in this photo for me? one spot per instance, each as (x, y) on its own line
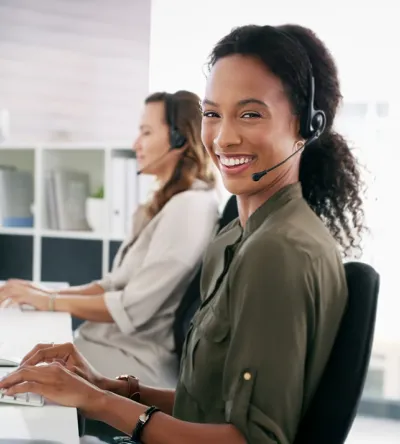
(191, 299)
(334, 406)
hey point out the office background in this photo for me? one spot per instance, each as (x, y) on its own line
(73, 75)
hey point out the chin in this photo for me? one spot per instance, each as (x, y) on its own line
(239, 186)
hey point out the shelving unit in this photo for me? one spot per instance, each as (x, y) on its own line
(43, 254)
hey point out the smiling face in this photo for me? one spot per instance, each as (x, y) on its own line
(248, 124)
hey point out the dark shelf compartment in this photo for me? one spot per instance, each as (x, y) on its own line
(16, 256)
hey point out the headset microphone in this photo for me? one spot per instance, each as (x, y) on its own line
(312, 125)
(257, 176)
(141, 171)
(176, 139)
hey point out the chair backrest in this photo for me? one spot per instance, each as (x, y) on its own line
(332, 411)
(191, 299)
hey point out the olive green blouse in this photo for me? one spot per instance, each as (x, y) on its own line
(273, 297)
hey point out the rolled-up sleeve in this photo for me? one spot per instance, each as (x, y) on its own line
(271, 312)
(176, 248)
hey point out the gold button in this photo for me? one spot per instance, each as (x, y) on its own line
(247, 376)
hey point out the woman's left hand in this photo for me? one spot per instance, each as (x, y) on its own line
(14, 292)
(55, 383)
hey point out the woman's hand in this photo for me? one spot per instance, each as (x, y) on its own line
(21, 292)
(65, 354)
(57, 384)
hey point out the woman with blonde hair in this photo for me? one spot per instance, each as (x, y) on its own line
(130, 311)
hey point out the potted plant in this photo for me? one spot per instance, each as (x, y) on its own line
(96, 210)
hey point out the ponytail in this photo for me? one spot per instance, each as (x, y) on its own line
(332, 185)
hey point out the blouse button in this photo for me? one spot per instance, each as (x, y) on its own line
(247, 376)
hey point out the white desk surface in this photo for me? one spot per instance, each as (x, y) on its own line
(22, 331)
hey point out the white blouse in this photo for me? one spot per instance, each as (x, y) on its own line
(143, 291)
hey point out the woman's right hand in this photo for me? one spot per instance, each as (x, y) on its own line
(67, 355)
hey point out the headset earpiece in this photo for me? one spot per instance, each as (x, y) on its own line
(176, 139)
(313, 122)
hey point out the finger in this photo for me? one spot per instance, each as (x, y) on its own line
(76, 370)
(44, 353)
(17, 377)
(28, 374)
(34, 350)
(8, 303)
(10, 297)
(18, 281)
(25, 387)
(5, 303)
(4, 297)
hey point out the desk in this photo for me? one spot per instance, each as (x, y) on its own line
(23, 330)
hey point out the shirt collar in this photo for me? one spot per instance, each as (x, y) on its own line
(274, 203)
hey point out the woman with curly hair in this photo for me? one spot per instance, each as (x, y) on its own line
(273, 283)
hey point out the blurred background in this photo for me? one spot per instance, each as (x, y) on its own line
(73, 76)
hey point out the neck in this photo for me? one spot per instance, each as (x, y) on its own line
(249, 203)
(165, 175)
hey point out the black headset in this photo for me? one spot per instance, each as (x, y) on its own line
(313, 121)
(176, 139)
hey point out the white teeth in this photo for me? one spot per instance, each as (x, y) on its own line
(232, 161)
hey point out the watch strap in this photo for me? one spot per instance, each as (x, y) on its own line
(133, 386)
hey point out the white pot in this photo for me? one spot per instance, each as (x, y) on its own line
(96, 214)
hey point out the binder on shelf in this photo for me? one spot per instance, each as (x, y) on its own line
(118, 196)
(131, 191)
(16, 197)
(66, 194)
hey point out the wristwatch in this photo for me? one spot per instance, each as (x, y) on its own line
(133, 386)
(143, 420)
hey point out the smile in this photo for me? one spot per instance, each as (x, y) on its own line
(235, 164)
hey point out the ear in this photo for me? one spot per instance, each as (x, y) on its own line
(181, 150)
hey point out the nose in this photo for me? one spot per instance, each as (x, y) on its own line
(227, 134)
(136, 145)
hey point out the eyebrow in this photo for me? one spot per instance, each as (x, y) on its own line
(144, 126)
(242, 102)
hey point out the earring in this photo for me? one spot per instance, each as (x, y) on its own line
(299, 145)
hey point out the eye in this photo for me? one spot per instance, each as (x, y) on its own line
(210, 114)
(251, 115)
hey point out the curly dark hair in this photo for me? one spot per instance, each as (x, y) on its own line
(329, 172)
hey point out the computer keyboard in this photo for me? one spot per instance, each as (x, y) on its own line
(29, 399)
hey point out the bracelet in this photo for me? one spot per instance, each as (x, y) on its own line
(51, 301)
(144, 418)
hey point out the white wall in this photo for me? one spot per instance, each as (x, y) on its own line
(73, 70)
(362, 37)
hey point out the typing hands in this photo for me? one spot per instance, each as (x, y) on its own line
(19, 292)
(67, 355)
(68, 379)
(56, 383)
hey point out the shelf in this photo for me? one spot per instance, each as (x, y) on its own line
(116, 238)
(71, 253)
(72, 234)
(17, 231)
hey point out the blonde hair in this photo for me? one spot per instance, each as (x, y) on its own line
(195, 162)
